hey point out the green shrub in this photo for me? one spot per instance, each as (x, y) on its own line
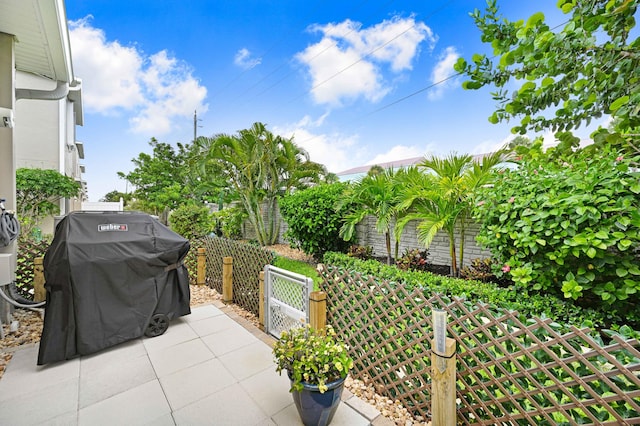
(191, 221)
(314, 220)
(228, 222)
(569, 227)
(414, 259)
(485, 270)
(479, 269)
(360, 252)
(513, 297)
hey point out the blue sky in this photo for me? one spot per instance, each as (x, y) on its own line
(353, 82)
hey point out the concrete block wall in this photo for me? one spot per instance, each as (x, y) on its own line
(249, 233)
(438, 250)
(368, 236)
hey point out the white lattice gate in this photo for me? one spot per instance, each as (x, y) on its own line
(286, 299)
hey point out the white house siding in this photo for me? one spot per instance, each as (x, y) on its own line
(33, 40)
(37, 127)
(45, 133)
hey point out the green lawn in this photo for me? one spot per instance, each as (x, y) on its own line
(298, 267)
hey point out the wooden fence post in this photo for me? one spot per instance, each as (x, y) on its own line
(227, 279)
(443, 373)
(318, 310)
(202, 266)
(40, 293)
(261, 300)
(443, 385)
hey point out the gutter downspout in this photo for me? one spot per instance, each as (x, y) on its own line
(61, 91)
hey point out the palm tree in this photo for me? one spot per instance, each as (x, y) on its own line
(260, 167)
(444, 201)
(412, 186)
(375, 195)
(479, 174)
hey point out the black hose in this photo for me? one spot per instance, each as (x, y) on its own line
(15, 295)
(9, 228)
(31, 305)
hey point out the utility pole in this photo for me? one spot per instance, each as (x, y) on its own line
(195, 125)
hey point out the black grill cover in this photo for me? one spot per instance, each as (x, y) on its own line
(106, 275)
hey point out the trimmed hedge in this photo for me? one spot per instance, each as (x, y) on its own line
(512, 298)
(314, 217)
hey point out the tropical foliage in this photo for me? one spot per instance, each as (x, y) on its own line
(511, 297)
(228, 222)
(563, 77)
(568, 226)
(259, 167)
(442, 198)
(38, 194)
(566, 221)
(314, 218)
(317, 357)
(376, 194)
(164, 179)
(115, 196)
(191, 221)
(563, 224)
(414, 259)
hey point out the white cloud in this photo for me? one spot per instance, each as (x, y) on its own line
(108, 69)
(442, 72)
(398, 152)
(491, 145)
(348, 62)
(244, 60)
(154, 89)
(337, 152)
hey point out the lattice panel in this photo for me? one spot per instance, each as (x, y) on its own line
(191, 262)
(28, 251)
(511, 369)
(280, 321)
(248, 262)
(291, 293)
(388, 330)
(533, 372)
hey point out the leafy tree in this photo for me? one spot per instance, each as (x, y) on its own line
(259, 167)
(38, 193)
(191, 221)
(519, 141)
(157, 178)
(314, 218)
(445, 201)
(560, 78)
(569, 227)
(375, 170)
(166, 178)
(376, 194)
(114, 197)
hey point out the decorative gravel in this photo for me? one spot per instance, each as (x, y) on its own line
(28, 332)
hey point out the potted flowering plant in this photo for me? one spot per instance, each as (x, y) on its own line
(317, 364)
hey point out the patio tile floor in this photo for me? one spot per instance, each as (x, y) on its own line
(207, 369)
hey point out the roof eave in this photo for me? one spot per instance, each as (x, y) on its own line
(54, 19)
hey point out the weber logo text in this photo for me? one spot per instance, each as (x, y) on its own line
(113, 227)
